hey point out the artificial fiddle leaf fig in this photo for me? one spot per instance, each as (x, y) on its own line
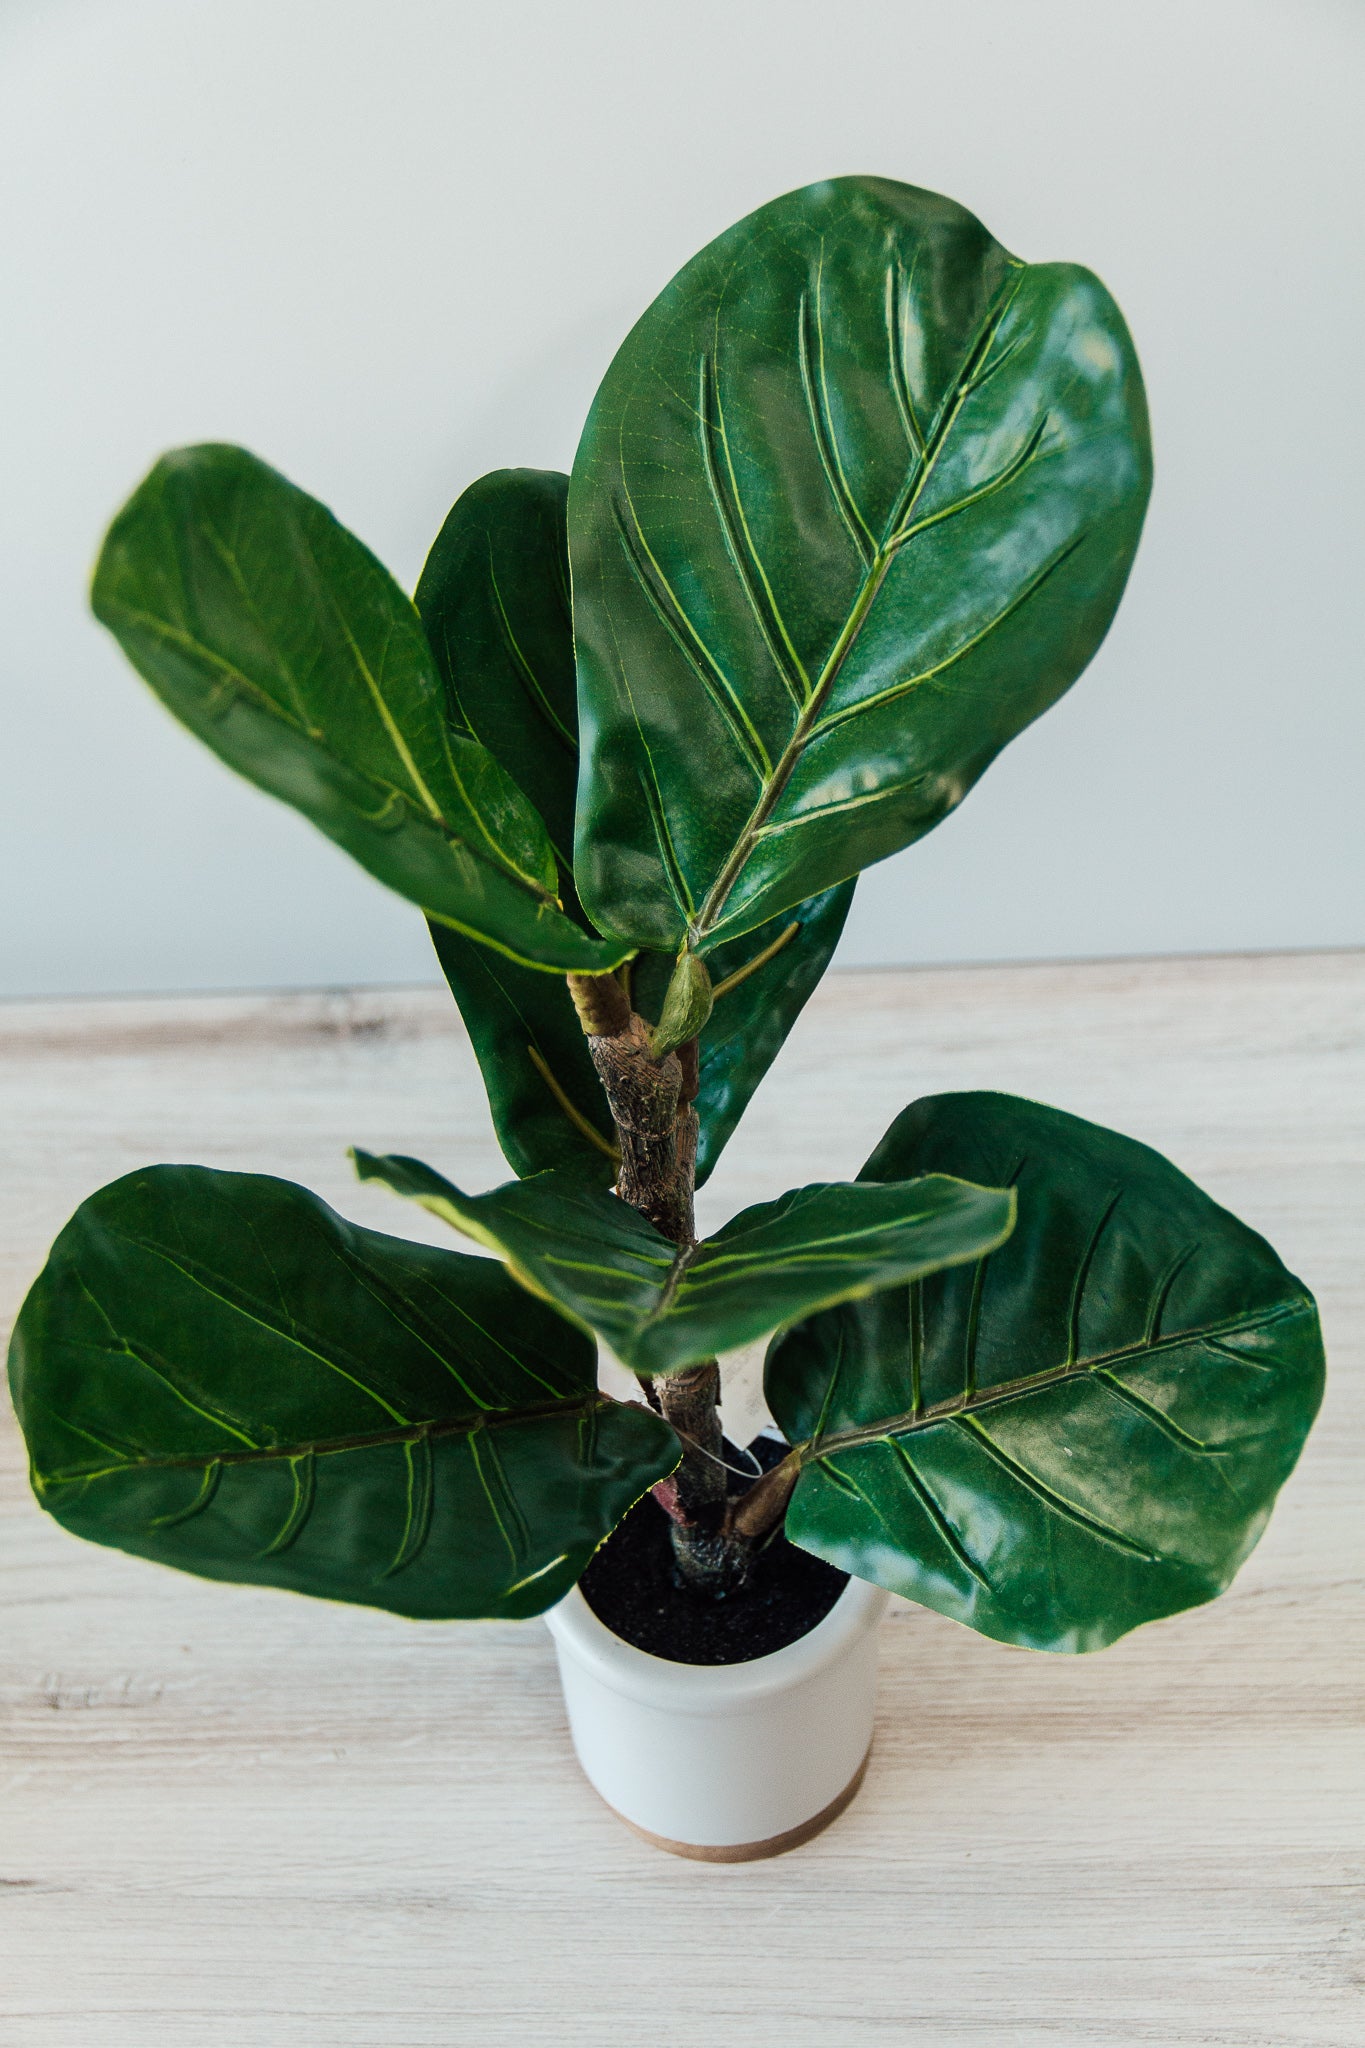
(216, 1371)
(662, 1308)
(855, 503)
(1083, 1431)
(280, 641)
(494, 600)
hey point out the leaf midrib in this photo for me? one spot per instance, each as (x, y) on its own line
(321, 1447)
(264, 704)
(917, 478)
(908, 1423)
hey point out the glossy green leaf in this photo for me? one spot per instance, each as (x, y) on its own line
(855, 503)
(543, 1089)
(1085, 1430)
(661, 1310)
(281, 642)
(493, 598)
(216, 1371)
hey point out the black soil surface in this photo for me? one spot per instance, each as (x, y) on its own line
(632, 1585)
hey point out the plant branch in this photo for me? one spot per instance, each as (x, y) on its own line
(651, 1103)
(755, 1513)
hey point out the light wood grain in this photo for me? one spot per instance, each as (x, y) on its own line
(232, 1817)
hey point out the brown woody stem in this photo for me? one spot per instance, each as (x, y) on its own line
(759, 1511)
(651, 1101)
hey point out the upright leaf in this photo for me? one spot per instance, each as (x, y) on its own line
(281, 642)
(661, 1309)
(855, 503)
(1085, 1430)
(494, 600)
(216, 1371)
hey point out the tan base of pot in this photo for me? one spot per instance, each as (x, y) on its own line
(752, 1852)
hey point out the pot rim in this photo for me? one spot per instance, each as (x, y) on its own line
(710, 1688)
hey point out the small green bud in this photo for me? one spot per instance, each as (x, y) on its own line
(687, 1005)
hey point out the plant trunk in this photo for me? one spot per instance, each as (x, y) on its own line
(651, 1100)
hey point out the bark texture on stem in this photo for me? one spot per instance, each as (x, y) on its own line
(656, 1128)
(719, 1535)
(689, 1400)
(651, 1102)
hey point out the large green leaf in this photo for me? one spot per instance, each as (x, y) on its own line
(281, 642)
(661, 1309)
(216, 1371)
(855, 503)
(494, 600)
(1084, 1431)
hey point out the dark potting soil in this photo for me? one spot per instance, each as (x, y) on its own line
(633, 1587)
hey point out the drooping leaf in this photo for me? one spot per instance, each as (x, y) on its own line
(280, 641)
(216, 1371)
(854, 505)
(1085, 1430)
(493, 598)
(661, 1309)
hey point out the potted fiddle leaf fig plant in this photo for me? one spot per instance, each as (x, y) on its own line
(855, 503)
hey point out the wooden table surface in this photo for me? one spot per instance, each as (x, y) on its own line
(235, 1817)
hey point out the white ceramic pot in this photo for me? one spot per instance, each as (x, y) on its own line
(724, 1762)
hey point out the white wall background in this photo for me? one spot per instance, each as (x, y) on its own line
(390, 244)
